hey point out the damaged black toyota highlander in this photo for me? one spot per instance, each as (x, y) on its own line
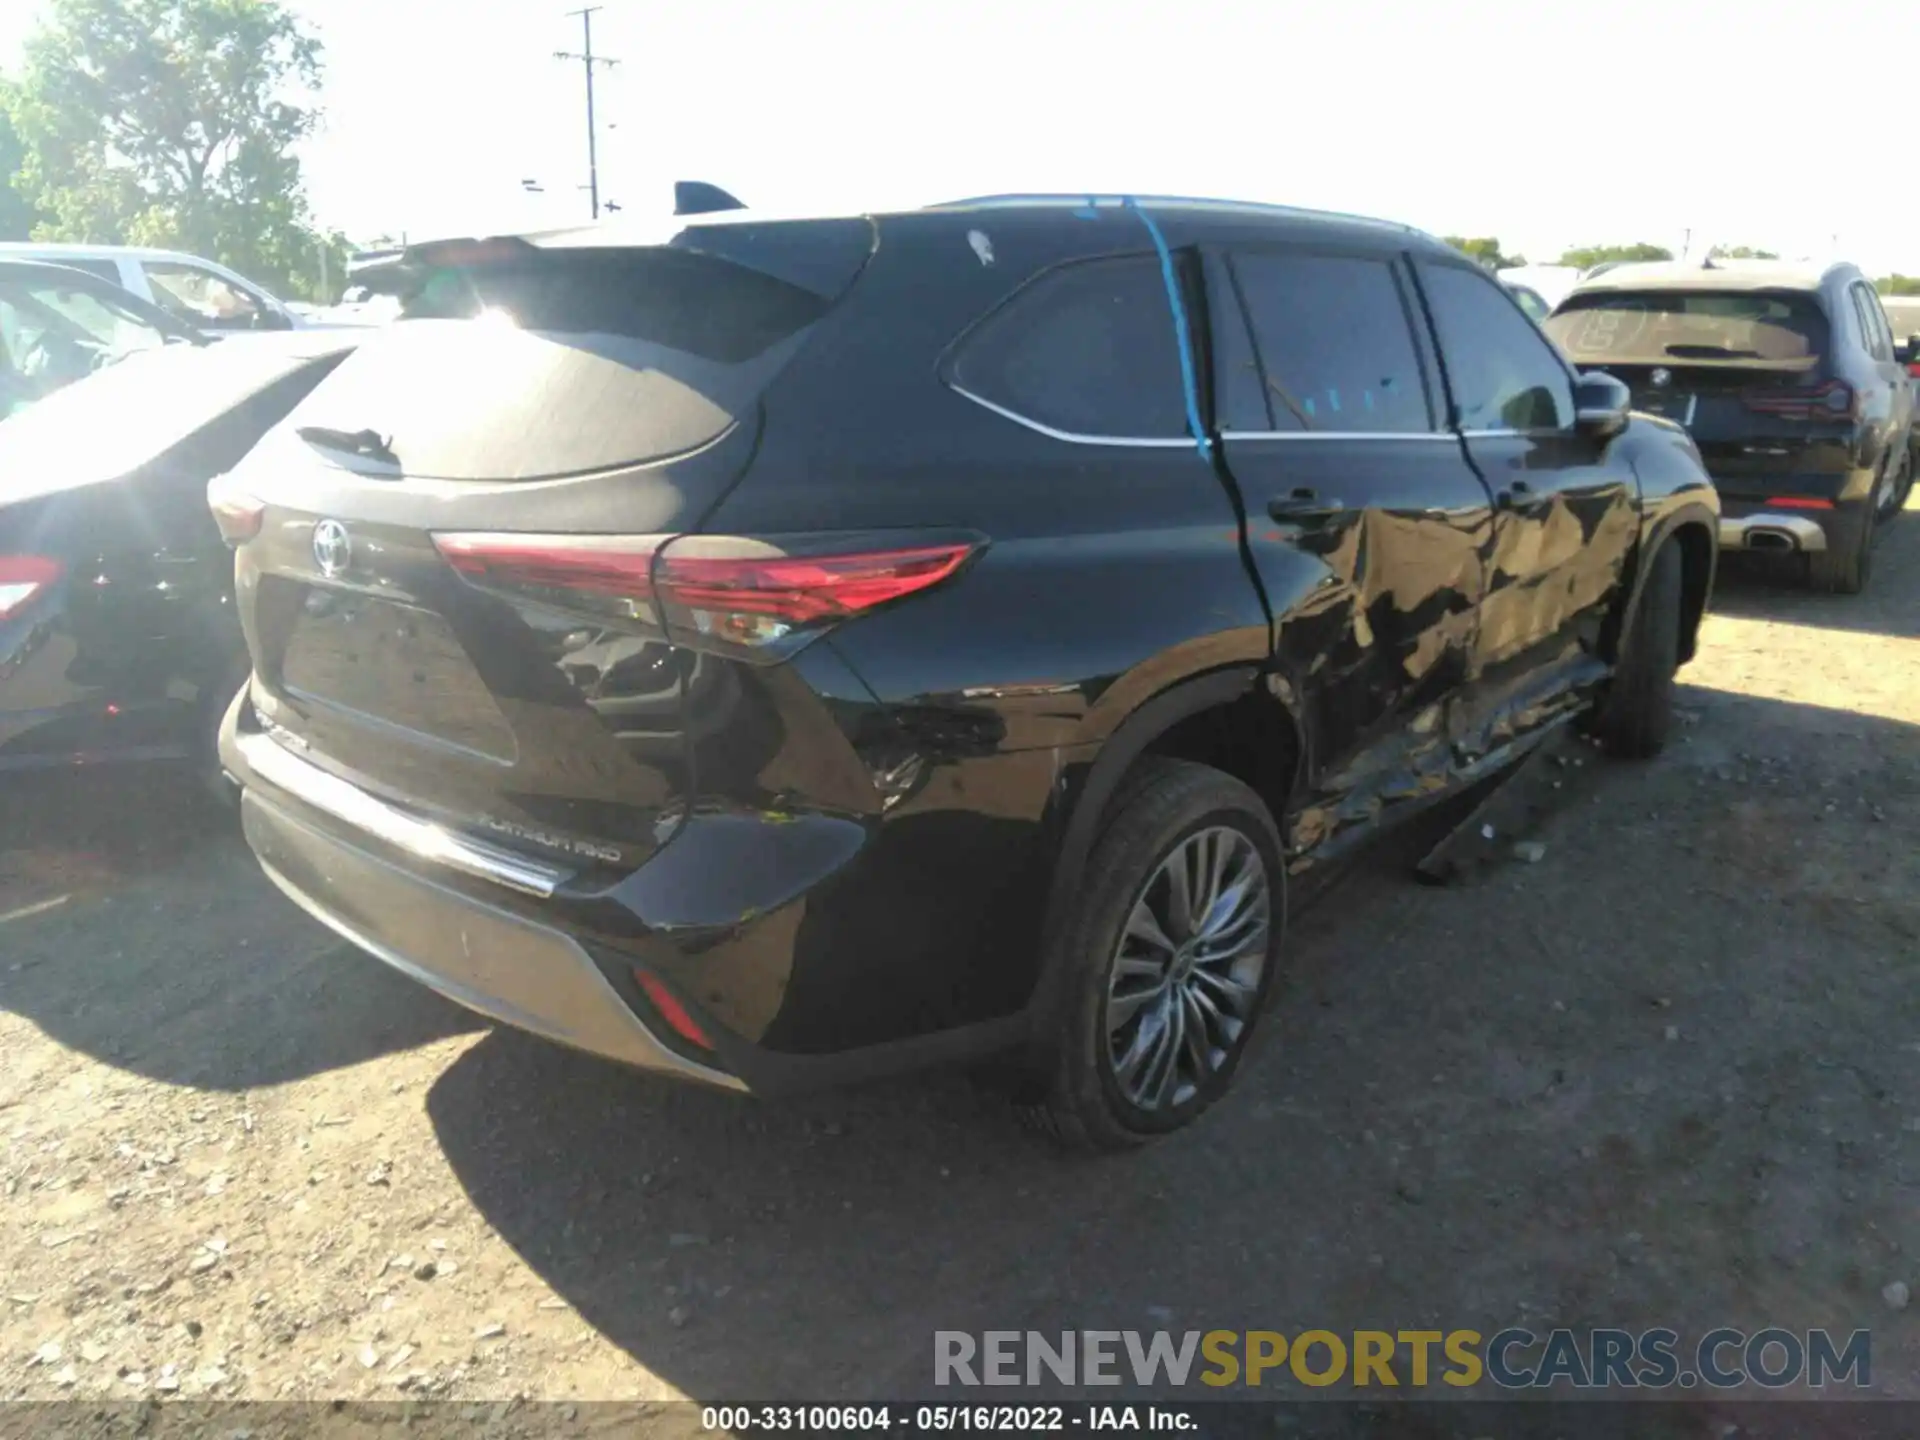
(777, 653)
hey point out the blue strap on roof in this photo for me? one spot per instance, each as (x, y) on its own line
(1182, 334)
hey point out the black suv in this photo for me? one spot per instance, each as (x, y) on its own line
(1791, 382)
(799, 651)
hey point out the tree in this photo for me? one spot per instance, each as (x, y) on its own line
(17, 214)
(1898, 284)
(1740, 252)
(172, 122)
(1486, 250)
(1586, 257)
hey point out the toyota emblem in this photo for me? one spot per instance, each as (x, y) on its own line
(332, 548)
(1661, 378)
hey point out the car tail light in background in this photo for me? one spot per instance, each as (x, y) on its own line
(1914, 369)
(23, 580)
(1833, 400)
(236, 513)
(1798, 502)
(750, 598)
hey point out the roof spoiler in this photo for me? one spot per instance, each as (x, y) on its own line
(697, 197)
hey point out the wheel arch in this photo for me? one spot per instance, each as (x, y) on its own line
(1695, 529)
(1244, 699)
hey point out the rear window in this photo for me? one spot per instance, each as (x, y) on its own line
(1088, 349)
(563, 362)
(1689, 325)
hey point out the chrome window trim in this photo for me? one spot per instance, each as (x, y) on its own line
(1072, 437)
(348, 803)
(1337, 435)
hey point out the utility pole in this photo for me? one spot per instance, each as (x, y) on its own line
(588, 60)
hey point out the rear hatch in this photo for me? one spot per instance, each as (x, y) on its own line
(1742, 370)
(449, 598)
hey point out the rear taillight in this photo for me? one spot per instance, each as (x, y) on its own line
(23, 580)
(749, 597)
(1833, 400)
(237, 513)
(1914, 369)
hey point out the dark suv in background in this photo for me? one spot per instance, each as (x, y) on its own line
(1790, 380)
(800, 651)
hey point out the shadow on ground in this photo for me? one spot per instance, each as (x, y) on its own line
(135, 928)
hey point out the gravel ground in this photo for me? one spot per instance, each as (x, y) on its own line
(1665, 1075)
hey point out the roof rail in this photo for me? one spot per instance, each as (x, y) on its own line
(1067, 197)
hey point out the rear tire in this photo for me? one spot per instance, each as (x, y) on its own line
(1169, 954)
(1845, 572)
(1637, 712)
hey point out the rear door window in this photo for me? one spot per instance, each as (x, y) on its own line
(1088, 349)
(202, 298)
(1334, 342)
(1503, 373)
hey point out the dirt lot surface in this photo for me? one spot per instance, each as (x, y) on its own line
(1666, 1075)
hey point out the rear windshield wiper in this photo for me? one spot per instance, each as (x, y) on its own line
(1711, 352)
(367, 443)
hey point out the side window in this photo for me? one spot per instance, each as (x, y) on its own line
(1862, 326)
(1879, 332)
(1504, 374)
(1334, 348)
(203, 299)
(1088, 349)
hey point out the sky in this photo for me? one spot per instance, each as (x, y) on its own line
(1547, 123)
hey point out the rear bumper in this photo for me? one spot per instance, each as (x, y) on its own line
(499, 964)
(476, 923)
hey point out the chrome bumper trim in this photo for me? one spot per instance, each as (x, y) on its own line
(280, 767)
(1737, 531)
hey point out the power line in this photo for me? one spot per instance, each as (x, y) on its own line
(588, 60)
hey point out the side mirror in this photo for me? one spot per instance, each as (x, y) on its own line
(1600, 405)
(1909, 354)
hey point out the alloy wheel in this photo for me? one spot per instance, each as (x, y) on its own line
(1186, 975)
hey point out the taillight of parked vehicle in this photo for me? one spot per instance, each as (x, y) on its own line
(1831, 400)
(236, 513)
(748, 598)
(24, 579)
(1798, 502)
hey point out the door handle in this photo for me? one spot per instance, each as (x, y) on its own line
(1303, 507)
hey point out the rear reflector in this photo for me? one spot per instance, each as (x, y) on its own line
(724, 592)
(1799, 502)
(236, 513)
(24, 579)
(671, 1010)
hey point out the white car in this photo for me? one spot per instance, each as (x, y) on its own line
(1550, 282)
(203, 293)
